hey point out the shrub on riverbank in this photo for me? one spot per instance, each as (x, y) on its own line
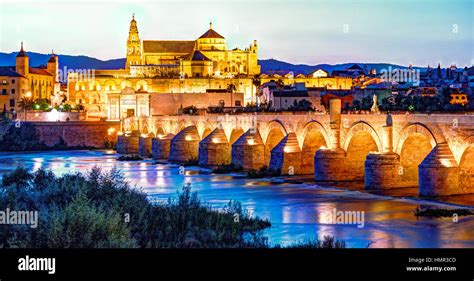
(437, 212)
(329, 242)
(227, 169)
(132, 157)
(263, 172)
(99, 209)
(19, 136)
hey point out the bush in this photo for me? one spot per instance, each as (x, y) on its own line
(328, 243)
(131, 157)
(227, 169)
(263, 172)
(99, 209)
(437, 213)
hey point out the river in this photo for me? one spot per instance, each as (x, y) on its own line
(298, 212)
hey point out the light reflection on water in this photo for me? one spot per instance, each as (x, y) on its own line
(297, 212)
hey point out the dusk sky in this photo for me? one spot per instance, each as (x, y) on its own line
(310, 32)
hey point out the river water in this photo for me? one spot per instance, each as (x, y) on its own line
(298, 212)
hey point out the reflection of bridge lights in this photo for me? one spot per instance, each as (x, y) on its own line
(120, 134)
(110, 131)
(144, 135)
(215, 140)
(323, 147)
(250, 141)
(160, 136)
(188, 138)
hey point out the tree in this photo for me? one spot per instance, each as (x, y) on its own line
(257, 82)
(280, 85)
(25, 104)
(231, 89)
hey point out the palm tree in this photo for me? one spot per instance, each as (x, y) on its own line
(231, 88)
(25, 104)
(280, 85)
(256, 81)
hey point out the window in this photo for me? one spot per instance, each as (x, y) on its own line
(13, 81)
(238, 103)
(12, 103)
(4, 91)
(12, 91)
(4, 82)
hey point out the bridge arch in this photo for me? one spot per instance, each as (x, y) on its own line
(276, 132)
(415, 143)
(362, 127)
(466, 169)
(416, 128)
(314, 136)
(361, 140)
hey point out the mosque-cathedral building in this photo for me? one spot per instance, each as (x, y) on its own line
(162, 76)
(160, 72)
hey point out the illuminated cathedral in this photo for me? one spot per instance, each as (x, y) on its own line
(153, 67)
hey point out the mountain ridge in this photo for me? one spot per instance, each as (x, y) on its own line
(267, 65)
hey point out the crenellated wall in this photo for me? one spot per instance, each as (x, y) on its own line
(384, 151)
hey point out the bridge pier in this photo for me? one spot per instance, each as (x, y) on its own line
(160, 147)
(184, 146)
(214, 149)
(329, 165)
(382, 171)
(286, 156)
(248, 151)
(127, 144)
(439, 173)
(144, 145)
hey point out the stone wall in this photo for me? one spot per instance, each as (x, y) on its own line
(170, 103)
(77, 134)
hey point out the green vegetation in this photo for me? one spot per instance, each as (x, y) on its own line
(190, 162)
(99, 209)
(19, 136)
(328, 243)
(131, 157)
(227, 169)
(264, 172)
(437, 213)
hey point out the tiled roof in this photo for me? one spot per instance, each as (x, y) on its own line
(197, 56)
(9, 71)
(39, 71)
(211, 34)
(168, 46)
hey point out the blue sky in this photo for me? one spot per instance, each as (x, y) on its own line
(420, 32)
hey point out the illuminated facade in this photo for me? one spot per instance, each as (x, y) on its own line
(22, 80)
(317, 79)
(163, 66)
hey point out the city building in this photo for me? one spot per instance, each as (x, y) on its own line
(23, 81)
(155, 67)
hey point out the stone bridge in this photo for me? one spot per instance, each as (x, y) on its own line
(434, 152)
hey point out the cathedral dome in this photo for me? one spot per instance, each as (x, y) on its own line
(211, 33)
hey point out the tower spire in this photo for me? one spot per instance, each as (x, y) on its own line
(210, 25)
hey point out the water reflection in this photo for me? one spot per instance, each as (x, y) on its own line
(297, 212)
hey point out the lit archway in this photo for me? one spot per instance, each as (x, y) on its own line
(315, 137)
(359, 142)
(466, 169)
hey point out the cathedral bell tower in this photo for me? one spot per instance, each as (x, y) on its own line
(133, 45)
